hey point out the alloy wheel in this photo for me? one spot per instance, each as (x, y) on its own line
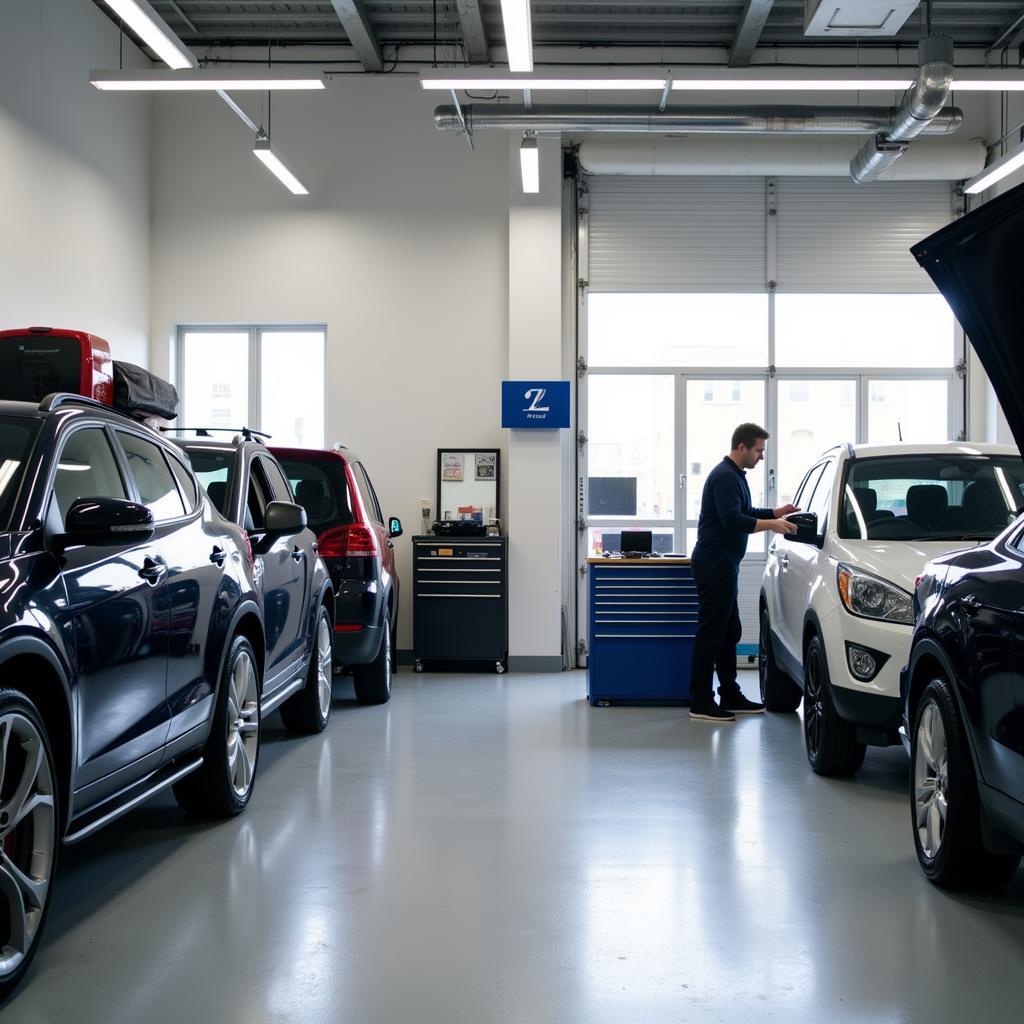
(814, 711)
(28, 834)
(931, 780)
(243, 724)
(324, 653)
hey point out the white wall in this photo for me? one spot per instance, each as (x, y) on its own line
(401, 249)
(74, 178)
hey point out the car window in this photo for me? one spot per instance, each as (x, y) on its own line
(16, 436)
(321, 488)
(258, 497)
(213, 468)
(86, 468)
(282, 489)
(153, 477)
(931, 496)
(820, 500)
(186, 484)
(367, 493)
(805, 494)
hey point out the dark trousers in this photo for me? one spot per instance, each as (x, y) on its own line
(718, 630)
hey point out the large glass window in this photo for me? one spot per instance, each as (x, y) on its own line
(631, 446)
(268, 378)
(678, 330)
(908, 410)
(906, 332)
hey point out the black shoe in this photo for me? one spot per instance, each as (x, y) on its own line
(706, 710)
(739, 705)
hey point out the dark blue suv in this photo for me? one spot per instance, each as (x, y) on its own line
(963, 687)
(131, 644)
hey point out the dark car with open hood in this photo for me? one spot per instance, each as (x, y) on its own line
(131, 640)
(963, 687)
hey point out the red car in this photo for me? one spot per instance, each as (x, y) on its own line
(355, 543)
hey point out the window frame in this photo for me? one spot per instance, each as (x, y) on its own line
(127, 481)
(115, 430)
(255, 332)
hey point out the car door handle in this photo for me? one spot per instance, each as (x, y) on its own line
(971, 604)
(297, 553)
(784, 562)
(153, 569)
(316, 548)
(218, 555)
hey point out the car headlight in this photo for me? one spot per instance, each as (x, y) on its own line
(873, 598)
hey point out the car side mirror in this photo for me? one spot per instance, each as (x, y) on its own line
(284, 517)
(107, 521)
(394, 527)
(806, 528)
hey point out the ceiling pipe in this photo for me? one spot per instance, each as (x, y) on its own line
(779, 120)
(921, 105)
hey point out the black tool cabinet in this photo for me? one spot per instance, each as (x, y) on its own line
(460, 600)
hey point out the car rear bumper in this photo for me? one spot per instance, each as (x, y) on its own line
(358, 614)
(357, 647)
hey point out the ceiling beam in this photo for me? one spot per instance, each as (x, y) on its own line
(1010, 34)
(748, 32)
(473, 31)
(360, 34)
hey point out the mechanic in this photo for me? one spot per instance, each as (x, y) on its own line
(727, 518)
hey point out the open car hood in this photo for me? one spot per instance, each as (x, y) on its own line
(977, 264)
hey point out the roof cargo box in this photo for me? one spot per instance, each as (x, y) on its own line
(37, 361)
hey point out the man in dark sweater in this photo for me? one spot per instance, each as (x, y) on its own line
(727, 519)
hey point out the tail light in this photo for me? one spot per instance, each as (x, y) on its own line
(353, 541)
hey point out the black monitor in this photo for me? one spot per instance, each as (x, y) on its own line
(636, 542)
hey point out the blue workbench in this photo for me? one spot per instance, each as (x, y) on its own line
(642, 621)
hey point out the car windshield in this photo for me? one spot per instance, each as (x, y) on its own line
(213, 467)
(16, 436)
(931, 497)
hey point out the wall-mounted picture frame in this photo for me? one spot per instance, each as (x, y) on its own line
(486, 465)
(453, 467)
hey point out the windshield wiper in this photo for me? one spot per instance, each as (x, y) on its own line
(959, 536)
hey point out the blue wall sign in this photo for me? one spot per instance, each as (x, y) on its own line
(535, 403)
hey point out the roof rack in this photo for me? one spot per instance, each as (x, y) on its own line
(58, 398)
(247, 432)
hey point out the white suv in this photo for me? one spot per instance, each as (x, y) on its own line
(836, 605)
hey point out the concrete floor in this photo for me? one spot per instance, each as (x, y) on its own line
(491, 850)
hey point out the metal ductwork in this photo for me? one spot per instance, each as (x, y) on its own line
(922, 104)
(787, 120)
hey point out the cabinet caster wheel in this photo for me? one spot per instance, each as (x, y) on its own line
(418, 666)
(499, 667)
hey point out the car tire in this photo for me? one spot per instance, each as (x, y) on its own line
(221, 788)
(29, 840)
(945, 807)
(310, 709)
(778, 691)
(373, 682)
(830, 741)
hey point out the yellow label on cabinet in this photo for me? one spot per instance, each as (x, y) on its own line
(445, 551)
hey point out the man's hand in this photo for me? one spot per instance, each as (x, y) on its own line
(784, 510)
(781, 526)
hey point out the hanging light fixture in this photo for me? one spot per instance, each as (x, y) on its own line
(143, 20)
(518, 34)
(529, 165)
(263, 152)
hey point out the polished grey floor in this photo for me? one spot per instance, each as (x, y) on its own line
(491, 849)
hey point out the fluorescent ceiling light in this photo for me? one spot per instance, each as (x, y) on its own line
(204, 79)
(518, 34)
(140, 17)
(996, 171)
(272, 162)
(529, 165)
(715, 79)
(623, 79)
